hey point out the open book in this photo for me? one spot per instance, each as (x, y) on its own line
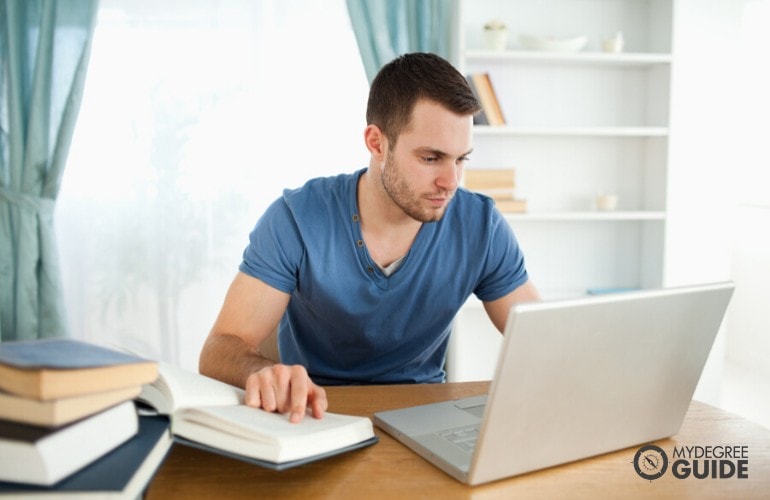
(209, 414)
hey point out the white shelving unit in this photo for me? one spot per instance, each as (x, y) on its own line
(578, 124)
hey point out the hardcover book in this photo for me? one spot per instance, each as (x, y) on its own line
(209, 414)
(55, 412)
(482, 84)
(479, 118)
(62, 367)
(44, 456)
(498, 184)
(122, 473)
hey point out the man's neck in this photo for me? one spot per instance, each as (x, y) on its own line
(388, 231)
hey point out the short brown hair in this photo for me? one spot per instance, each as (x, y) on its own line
(411, 77)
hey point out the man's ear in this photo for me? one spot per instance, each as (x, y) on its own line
(376, 142)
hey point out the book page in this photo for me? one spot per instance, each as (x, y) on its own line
(180, 388)
(257, 424)
(255, 433)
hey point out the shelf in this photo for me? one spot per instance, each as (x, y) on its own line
(587, 58)
(474, 304)
(619, 215)
(572, 131)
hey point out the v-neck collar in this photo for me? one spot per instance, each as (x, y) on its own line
(369, 267)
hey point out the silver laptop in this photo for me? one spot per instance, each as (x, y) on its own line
(575, 378)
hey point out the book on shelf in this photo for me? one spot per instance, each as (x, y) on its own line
(482, 84)
(493, 182)
(511, 205)
(480, 118)
(46, 455)
(211, 415)
(497, 183)
(55, 412)
(62, 367)
(122, 473)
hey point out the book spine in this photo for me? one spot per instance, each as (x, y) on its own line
(483, 85)
(479, 118)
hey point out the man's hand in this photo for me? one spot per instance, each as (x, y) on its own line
(285, 389)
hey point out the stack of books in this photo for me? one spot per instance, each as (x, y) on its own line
(497, 183)
(68, 422)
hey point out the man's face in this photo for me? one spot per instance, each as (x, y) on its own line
(422, 172)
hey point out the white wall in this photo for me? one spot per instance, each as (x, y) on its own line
(749, 323)
(719, 208)
(699, 192)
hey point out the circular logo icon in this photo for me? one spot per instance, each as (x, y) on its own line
(650, 462)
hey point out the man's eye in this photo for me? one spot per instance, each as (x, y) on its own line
(429, 159)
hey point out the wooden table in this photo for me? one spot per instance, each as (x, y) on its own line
(389, 470)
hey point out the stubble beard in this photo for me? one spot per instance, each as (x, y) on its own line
(404, 196)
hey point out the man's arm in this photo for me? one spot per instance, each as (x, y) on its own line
(250, 313)
(498, 310)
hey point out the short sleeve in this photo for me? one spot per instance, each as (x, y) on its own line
(275, 249)
(504, 268)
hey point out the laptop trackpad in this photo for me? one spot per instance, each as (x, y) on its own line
(474, 405)
(476, 411)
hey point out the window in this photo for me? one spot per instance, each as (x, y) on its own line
(195, 116)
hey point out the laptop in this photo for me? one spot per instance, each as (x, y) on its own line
(575, 378)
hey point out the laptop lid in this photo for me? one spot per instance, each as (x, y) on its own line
(580, 377)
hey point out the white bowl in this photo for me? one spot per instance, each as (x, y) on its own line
(553, 44)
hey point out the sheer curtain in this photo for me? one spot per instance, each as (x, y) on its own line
(195, 116)
(386, 29)
(44, 49)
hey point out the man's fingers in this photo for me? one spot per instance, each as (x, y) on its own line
(317, 400)
(285, 389)
(281, 386)
(253, 397)
(268, 394)
(299, 396)
(260, 390)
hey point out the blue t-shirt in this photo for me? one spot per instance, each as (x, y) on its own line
(349, 324)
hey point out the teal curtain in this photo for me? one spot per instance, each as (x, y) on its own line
(44, 50)
(385, 29)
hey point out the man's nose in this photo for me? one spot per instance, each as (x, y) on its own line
(448, 177)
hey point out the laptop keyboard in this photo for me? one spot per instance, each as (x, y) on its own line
(464, 437)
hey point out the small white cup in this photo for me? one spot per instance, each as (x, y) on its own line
(613, 44)
(495, 39)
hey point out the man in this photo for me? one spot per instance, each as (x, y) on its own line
(366, 271)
